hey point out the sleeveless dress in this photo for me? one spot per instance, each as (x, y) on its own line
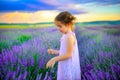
(69, 69)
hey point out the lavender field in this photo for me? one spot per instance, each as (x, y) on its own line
(23, 53)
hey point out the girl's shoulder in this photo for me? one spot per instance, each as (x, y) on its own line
(65, 36)
(70, 34)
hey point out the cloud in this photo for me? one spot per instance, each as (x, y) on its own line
(28, 17)
(51, 2)
(102, 2)
(43, 10)
(49, 15)
(73, 8)
(108, 2)
(9, 0)
(36, 5)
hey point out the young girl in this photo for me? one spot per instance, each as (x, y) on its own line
(68, 59)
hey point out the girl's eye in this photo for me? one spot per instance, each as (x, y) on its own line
(59, 26)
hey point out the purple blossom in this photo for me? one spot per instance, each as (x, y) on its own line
(22, 76)
(116, 69)
(119, 44)
(46, 76)
(38, 76)
(32, 61)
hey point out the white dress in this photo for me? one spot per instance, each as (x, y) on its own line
(69, 69)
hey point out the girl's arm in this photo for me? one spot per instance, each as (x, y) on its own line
(67, 55)
(69, 49)
(52, 51)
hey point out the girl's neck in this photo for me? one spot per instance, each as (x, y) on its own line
(69, 30)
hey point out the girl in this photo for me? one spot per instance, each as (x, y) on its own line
(68, 59)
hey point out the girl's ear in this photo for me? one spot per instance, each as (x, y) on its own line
(67, 24)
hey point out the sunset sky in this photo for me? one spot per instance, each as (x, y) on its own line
(34, 11)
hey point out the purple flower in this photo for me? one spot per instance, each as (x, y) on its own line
(13, 75)
(119, 44)
(89, 66)
(88, 76)
(107, 75)
(46, 76)
(116, 69)
(23, 62)
(18, 69)
(22, 76)
(39, 76)
(110, 54)
(9, 75)
(32, 61)
(99, 60)
(104, 54)
(101, 75)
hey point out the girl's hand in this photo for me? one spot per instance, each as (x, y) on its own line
(50, 63)
(50, 51)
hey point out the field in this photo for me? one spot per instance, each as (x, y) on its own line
(23, 52)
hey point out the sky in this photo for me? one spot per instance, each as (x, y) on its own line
(34, 11)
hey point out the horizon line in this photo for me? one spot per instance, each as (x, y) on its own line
(53, 22)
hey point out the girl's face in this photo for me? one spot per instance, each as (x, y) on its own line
(61, 27)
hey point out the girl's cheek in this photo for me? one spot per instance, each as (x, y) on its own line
(58, 28)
